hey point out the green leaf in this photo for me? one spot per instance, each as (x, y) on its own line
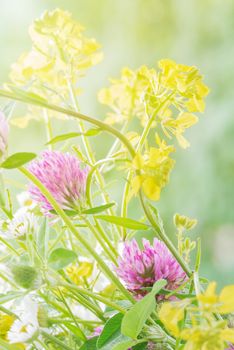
(135, 318)
(4, 298)
(93, 132)
(17, 160)
(133, 344)
(71, 135)
(111, 334)
(124, 222)
(75, 330)
(63, 137)
(90, 344)
(99, 209)
(43, 238)
(66, 211)
(61, 257)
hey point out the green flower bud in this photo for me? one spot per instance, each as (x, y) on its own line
(26, 276)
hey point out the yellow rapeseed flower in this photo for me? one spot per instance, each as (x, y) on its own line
(152, 170)
(222, 303)
(60, 55)
(169, 96)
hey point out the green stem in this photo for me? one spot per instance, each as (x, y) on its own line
(71, 314)
(43, 103)
(100, 237)
(49, 132)
(74, 231)
(9, 246)
(88, 149)
(55, 340)
(94, 296)
(141, 142)
(162, 235)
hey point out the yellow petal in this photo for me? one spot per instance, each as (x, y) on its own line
(171, 315)
(228, 334)
(226, 299)
(151, 189)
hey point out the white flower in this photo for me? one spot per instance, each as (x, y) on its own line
(23, 223)
(26, 328)
(25, 200)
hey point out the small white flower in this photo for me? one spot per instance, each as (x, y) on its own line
(23, 223)
(26, 327)
(25, 200)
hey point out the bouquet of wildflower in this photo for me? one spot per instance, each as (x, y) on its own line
(77, 272)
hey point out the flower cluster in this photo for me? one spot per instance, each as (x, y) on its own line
(152, 170)
(63, 176)
(140, 269)
(66, 282)
(207, 332)
(168, 97)
(60, 55)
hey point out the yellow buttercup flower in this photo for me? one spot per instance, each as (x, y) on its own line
(152, 170)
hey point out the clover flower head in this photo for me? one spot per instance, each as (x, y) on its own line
(63, 176)
(142, 268)
(23, 223)
(4, 131)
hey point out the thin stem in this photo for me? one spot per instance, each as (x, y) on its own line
(141, 142)
(88, 149)
(71, 314)
(55, 340)
(43, 103)
(74, 231)
(100, 237)
(94, 296)
(161, 234)
(49, 132)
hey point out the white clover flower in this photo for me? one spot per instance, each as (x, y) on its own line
(26, 328)
(23, 224)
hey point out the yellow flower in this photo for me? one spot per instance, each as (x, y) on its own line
(152, 170)
(6, 322)
(222, 303)
(183, 222)
(167, 97)
(125, 96)
(171, 314)
(210, 337)
(178, 126)
(59, 57)
(186, 81)
(77, 273)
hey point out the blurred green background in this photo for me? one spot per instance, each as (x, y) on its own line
(135, 32)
